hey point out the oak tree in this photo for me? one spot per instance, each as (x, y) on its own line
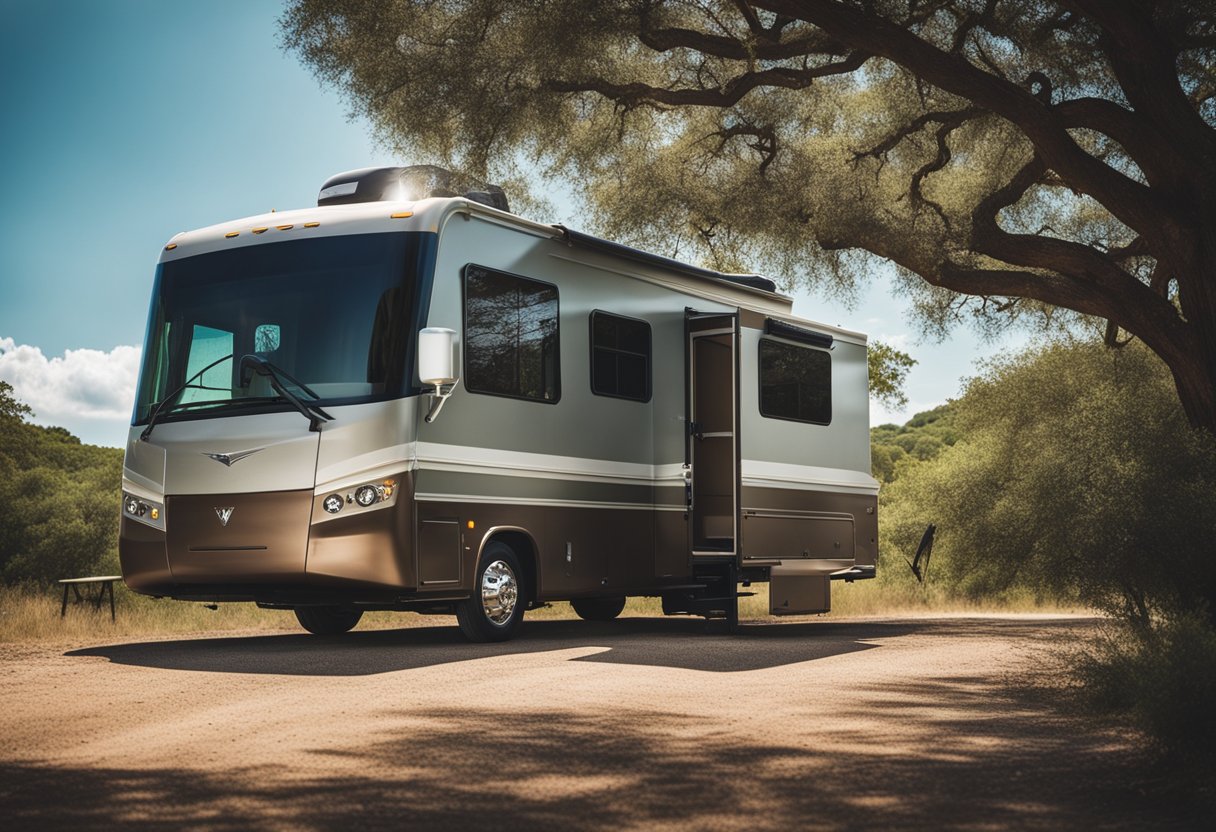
(1054, 158)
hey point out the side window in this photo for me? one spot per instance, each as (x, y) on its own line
(620, 357)
(208, 345)
(510, 335)
(795, 382)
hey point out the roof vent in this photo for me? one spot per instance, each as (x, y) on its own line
(407, 184)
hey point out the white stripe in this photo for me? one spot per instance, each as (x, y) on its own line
(762, 474)
(433, 456)
(381, 463)
(538, 501)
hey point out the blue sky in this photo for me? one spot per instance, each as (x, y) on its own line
(131, 120)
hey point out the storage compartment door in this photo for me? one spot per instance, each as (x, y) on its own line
(439, 552)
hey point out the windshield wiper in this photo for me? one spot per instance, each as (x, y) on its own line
(276, 375)
(163, 405)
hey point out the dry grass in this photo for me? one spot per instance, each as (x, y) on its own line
(33, 615)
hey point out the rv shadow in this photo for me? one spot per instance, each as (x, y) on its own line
(674, 643)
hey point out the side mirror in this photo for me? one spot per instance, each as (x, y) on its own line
(437, 365)
(436, 348)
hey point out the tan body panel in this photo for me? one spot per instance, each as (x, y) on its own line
(264, 539)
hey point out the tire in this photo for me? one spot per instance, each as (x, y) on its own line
(328, 621)
(599, 609)
(496, 608)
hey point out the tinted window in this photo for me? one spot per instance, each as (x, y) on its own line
(620, 357)
(511, 346)
(795, 382)
(334, 312)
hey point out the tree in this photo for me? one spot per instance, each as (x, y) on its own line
(1032, 155)
(1074, 473)
(59, 500)
(888, 369)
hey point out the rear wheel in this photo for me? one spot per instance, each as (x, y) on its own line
(496, 608)
(328, 621)
(599, 609)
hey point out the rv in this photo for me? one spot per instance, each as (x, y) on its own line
(420, 401)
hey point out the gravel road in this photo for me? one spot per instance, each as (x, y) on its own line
(922, 723)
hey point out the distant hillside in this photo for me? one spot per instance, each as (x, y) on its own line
(59, 500)
(892, 447)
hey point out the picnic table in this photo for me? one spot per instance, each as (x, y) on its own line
(104, 583)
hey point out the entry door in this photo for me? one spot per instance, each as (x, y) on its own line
(713, 432)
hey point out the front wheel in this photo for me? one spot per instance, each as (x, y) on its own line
(328, 621)
(496, 609)
(599, 609)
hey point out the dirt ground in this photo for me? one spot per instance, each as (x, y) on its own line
(921, 723)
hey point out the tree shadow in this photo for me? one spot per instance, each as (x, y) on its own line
(988, 766)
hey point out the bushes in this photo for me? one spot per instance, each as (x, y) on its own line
(1075, 475)
(59, 501)
(1164, 678)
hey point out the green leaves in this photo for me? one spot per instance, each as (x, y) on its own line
(1075, 474)
(888, 369)
(58, 501)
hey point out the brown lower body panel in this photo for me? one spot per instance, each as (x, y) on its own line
(274, 544)
(790, 524)
(577, 551)
(284, 542)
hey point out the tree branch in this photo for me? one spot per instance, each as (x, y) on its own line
(721, 46)
(1106, 289)
(1145, 63)
(953, 117)
(726, 95)
(1144, 142)
(1134, 204)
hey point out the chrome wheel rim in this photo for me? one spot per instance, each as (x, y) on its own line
(499, 592)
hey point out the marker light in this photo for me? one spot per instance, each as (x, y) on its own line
(333, 503)
(155, 514)
(366, 495)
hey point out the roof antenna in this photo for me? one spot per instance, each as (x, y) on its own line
(925, 551)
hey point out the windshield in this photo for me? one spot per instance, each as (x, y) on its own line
(333, 313)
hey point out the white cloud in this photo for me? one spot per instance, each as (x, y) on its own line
(901, 340)
(83, 388)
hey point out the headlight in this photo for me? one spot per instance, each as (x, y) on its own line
(366, 495)
(148, 512)
(333, 503)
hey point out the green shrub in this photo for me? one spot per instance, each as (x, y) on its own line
(1164, 679)
(59, 501)
(1074, 475)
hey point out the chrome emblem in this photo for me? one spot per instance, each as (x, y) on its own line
(232, 458)
(225, 514)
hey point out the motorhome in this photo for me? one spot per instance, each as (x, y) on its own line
(409, 398)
